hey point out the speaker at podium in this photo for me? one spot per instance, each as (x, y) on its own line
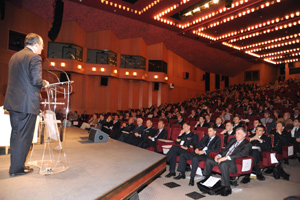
(97, 136)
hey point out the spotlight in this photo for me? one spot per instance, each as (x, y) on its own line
(228, 3)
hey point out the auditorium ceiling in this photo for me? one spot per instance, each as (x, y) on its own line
(256, 30)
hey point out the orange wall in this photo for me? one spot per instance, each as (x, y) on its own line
(287, 71)
(268, 73)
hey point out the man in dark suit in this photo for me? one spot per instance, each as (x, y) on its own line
(125, 128)
(125, 137)
(237, 123)
(186, 139)
(219, 124)
(140, 137)
(236, 148)
(252, 132)
(149, 141)
(23, 100)
(295, 134)
(180, 120)
(101, 121)
(201, 123)
(260, 143)
(227, 132)
(209, 143)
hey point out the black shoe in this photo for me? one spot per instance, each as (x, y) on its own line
(245, 180)
(226, 191)
(269, 171)
(191, 183)
(24, 172)
(283, 174)
(260, 177)
(170, 174)
(180, 176)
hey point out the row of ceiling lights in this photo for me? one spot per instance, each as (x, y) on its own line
(102, 69)
(121, 7)
(276, 45)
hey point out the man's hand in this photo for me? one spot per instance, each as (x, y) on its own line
(45, 83)
(298, 139)
(183, 147)
(221, 159)
(201, 152)
(150, 137)
(217, 157)
(181, 132)
(224, 131)
(136, 134)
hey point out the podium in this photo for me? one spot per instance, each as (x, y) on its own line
(52, 157)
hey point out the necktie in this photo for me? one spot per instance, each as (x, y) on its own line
(157, 134)
(232, 149)
(209, 142)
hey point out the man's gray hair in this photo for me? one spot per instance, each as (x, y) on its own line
(31, 39)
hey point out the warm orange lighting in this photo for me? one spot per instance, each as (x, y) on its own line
(63, 64)
(52, 63)
(94, 69)
(126, 73)
(166, 78)
(102, 69)
(115, 71)
(134, 73)
(155, 76)
(79, 67)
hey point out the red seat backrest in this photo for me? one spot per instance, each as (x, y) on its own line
(200, 134)
(174, 133)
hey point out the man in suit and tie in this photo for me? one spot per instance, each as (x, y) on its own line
(137, 134)
(236, 148)
(125, 136)
(295, 134)
(149, 141)
(149, 130)
(185, 140)
(227, 132)
(23, 100)
(201, 123)
(101, 121)
(125, 128)
(209, 143)
(260, 143)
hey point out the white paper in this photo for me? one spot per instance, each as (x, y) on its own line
(246, 165)
(199, 171)
(211, 181)
(36, 128)
(273, 158)
(75, 123)
(166, 148)
(182, 142)
(290, 150)
(51, 125)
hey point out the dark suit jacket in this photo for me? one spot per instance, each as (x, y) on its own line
(148, 132)
(297, 133)
(214, 145)
(129, 128)
(190, 140)
(138, 129)
(240, 151)
(163, 134)
(203, 125)
(116, 126)
(221, 126)
(24, 82)
(265, 145)
(281, 140)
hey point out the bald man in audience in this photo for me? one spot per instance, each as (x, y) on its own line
(236, 148)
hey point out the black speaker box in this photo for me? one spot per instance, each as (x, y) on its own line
(97, 136)
(104, 81)
(156, 86)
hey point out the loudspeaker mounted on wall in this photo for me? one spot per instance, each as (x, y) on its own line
(186, 75)
(97, 136)
(104, 81)
(171, 85)
(156, 86)
(203, 77)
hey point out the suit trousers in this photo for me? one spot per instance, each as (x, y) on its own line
(23, 125)
(257, 156)
(224, 168)
(195, 162)
(172, 154)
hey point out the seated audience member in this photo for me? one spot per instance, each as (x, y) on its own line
(250, 112)
(252, 131)
(170, 116)
(134, 137)
(227, 115)
(59, 115)
(133, 114)
(208, 120)
(193, 116)
(276, 114)
(201, 123)
(155, 115)
(73, 117)
(150, 138)
(228, 131)
(186, 139)
(126, 116)
(268, 122)
(219, 124)
(260, 143)
(179, 120)
(101, 121)
(90, 123)
(107, 125)
(296, 114)
(163, 115)
(209, 143)
(125, 129)
(281, 138)
(286, 119)
(115, 125)
(84, 117)
(237, 123)
(295, 134)
(236, 148)
(138, 138)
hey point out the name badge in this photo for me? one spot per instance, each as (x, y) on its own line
(182, 142)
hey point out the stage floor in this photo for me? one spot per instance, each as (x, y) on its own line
(96, 169)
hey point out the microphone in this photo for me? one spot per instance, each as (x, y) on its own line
(60, 70)
(50, 71)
